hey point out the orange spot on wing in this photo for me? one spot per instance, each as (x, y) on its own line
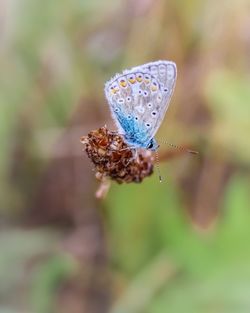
(132, 80)
(154, 88)
(114, 90)
(139, 78)
(123, 83)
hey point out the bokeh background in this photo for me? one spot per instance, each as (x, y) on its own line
(179, 246)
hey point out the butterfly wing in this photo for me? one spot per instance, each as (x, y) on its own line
(139, 98)
(165, 74)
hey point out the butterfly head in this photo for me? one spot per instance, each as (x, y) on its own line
(152, 145)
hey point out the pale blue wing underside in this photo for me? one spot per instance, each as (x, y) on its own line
(139, 98)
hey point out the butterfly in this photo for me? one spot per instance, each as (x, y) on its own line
(138, 100)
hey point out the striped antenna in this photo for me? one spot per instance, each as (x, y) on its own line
(179, 147)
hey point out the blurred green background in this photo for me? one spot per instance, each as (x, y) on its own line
(179, 246)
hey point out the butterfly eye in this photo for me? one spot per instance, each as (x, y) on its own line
(140, 91)
(154, 114)
(149, 105)
(121, 100)
(129, 99)
(116, 110)
(150, 146)
(129, 117)
(145, 93)
(136, 118)
(148, 125)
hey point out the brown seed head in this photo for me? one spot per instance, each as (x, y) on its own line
(113, 158)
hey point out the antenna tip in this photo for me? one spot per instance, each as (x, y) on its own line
(160, 179)
(193, 151)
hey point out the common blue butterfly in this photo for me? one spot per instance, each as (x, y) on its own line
(138, 100)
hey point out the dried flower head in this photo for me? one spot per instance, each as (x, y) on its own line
(113, 158)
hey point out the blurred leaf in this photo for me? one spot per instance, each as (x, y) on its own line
(17, 248)
(228, 97)
(143, 288)
(142, 218)
(224, 284)
(47, 278)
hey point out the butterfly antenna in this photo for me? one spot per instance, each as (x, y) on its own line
(157, 165)
(180, 148)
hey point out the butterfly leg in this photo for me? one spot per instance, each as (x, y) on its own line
(136, 154)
